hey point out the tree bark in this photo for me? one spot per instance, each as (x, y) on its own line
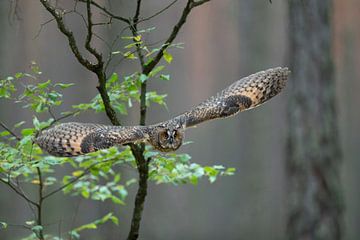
(313, 151)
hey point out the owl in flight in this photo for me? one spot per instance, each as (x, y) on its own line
(72, 139)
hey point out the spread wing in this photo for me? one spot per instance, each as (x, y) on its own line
(72, 139)
(244, 94)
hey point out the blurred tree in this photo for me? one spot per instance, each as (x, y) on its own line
(313, 153)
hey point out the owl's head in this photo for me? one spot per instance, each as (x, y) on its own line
(167, 137)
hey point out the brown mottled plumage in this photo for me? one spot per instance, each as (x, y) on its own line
(71, 139)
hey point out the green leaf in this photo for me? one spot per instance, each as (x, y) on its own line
(143, 78)
(155, 71)
(137, 38)
(107, 217)
(37, 230)
(116, 52)
(168, 57)
(36, 122)
(130, 55)
(194, 180)
(4, 133)
(86, 226)
(114, 77)
(27, 131)
(64, 85)
(3, 225)
(212, 179)
(19, 75)
(19, 124)
(147, 30)
(30, 223)
(85, 193)
(117, 200)
(132, 44)
(165, 77)
(74, 235)
(35, 68)
(44, 85)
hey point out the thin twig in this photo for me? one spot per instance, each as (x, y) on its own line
(189, 6)
(22, 191)
(42, 26)
(112, 15)
(85, 172)
(58, 16)
(158, 13)
(18, 192)
(9, 130)
(90, 34)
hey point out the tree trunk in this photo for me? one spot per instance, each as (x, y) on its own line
(313, 151)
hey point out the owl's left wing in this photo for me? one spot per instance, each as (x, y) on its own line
(244, 94)
(73, 138)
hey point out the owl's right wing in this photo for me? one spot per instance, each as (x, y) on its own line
(72, 139)
(244, 94)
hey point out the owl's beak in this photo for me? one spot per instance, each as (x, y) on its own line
(171, 139)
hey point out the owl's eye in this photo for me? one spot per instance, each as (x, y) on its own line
(164, 135)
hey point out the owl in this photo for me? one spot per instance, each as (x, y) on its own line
(73, 138)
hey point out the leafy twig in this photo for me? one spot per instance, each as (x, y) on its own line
(85, 172)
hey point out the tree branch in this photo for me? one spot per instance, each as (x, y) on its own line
(9, 130)
(143, 170)
(95, 68)
(158, 13)
(90, 34)
(138, 151)
(189, 6)
(68, 33)
(110, 14)
(134, 31)
(18, 192)
(40, 203)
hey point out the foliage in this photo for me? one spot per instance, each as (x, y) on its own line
(96, 176)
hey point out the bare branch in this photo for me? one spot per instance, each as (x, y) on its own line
(68, 33)
(158, 13)
(110, 14)
(95, 68)
(90, 34)
(42, 26)
(189, 6)
(18, 192)
(198, 3)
